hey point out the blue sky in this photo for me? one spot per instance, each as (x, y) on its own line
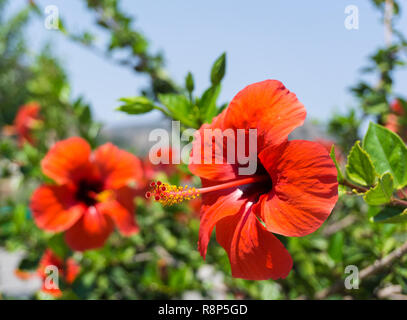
(304, 44)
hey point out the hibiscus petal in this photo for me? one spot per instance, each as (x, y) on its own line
(269, 107)
(254, 253)
(305, 188)
(72, 270)
(121, 211)
(54, 208)
(216, 206)
(90, 232)
(117, 167)
(67, 161)
(24, 119)
(209, 157)
(47, 259)
(266, 106)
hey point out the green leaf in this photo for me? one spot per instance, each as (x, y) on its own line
(388, 153)
(391, 215)
(360, 168)
(179, 107)
(136, 105)
(218, 69)
(189, 82)
(382, 192)
(19, 216)
(58, 245)
(207, 103)
(333, 157)
(335, 248)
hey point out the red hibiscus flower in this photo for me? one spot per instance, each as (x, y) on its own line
(25, 120)
(397, 107)
(68, 271)
(393, 119)
(93, 192)
(292, 192)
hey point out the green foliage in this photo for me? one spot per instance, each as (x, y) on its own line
(136, 105)
(179, 108)
(207, 103)
(345, 128)
(391, 215)
(57, 244)
(335, 248)
(360, 168)
(13, 70)
(338, 169)
(127, 42)
(218, 70)
(383, 153)
(189, 82)
(388, 153)
(382, 192)
(183, 107)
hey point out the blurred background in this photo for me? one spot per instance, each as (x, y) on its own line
(103, 51)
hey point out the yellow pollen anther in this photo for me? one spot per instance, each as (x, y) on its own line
(169, 195)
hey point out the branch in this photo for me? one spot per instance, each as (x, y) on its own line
(378, 265)
(388, 16)
(394, 201)
(338, 225)
(392, 292)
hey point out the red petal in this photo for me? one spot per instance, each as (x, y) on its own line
(47, 259)
(203, 164)
(122, 210)
(67, 161)
(254, 253)
(23, 121)
(393, 123)
(305, 188)
(216, 206)
(117, 167)
(72, 270)
(90, 232)
(269, 107)
(266, 106)
(54, 208)
(69, 271)
(57, 293)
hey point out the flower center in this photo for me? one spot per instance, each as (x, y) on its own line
(88, 191)
(171, 194)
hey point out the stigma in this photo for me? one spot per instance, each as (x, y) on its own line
(169, 195)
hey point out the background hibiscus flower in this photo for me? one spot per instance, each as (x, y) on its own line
(93, 192)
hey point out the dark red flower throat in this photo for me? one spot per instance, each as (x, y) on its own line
(87, 191)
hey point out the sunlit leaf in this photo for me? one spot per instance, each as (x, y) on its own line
(207, 103)
(382, 192)
(136, 105)
(360, 168)
(179, 107)
(388, 153)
